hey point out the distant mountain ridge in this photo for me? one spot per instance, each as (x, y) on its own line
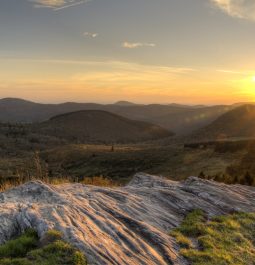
(125, 103)
(181, 119)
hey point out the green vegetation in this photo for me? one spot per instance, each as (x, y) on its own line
(78, 163)
(225, 240)
(27, 156)
(28, 250)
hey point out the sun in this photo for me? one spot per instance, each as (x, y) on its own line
(253, 79)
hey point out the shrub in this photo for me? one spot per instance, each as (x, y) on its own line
(50, 237)
(20, 246)
(27, 250)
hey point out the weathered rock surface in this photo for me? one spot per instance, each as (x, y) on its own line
(128, 225)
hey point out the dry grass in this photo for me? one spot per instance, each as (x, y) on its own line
(99, 181)
(95, 181)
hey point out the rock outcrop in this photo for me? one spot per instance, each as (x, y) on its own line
(120, 226)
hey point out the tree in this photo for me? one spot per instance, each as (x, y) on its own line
(201, 175)
(248, 179)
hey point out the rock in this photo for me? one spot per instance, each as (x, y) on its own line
(120, 226)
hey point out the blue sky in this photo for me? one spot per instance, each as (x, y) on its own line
(188, 51)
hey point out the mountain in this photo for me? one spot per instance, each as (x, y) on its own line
(181, 119)
(239, 122)
(186, 106)
(124, 225)
(99, 126)
(19, 110)
(243, 103)
(124, 103)
(16, 110)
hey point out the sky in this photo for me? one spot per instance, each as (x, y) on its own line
(144, 51)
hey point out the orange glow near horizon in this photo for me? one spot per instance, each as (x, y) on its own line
(110, 81)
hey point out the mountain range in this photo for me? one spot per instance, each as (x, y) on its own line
(181, 119)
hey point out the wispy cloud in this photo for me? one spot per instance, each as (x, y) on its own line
(134, 45)
(248, 74)
(90, 34)
(57, 4)
(109, 64)
(237, 8)
(231, 72)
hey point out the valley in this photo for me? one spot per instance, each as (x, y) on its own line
(92, 143)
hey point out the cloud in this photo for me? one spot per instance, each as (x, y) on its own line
(90, 34)
(127, 66)
(235, 72)
(230, 72)
(237, 8)
(134, 45)
(57, 4)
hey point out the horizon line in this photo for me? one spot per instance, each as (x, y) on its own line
(123, 101)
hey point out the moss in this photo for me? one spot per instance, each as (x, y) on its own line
(27, 250)
(224, 240)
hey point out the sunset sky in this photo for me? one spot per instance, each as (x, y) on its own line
(146, 51)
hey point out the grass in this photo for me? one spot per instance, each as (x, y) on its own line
(95, 181)
(98, 181)
(28, 250)
(56, 164)
(24, 159)
(224, 240)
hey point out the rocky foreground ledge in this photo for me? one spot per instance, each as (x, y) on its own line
(128, 225)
